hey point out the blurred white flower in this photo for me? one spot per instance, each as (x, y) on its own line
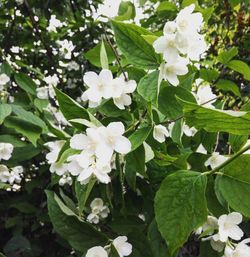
(66, 48)
(205, 96)
(228, 227)
(42, 92)
(6, 150)
(4, 173)
(98, 211)
(54, 23)
(4, 79)
(16, 174)
(215, 160)
(96, 251)
(189, 132)
(51, 80)
(55, 148)
(171, 70)
(122, 246)
(201, 149)
(241, 249)
(160, 133)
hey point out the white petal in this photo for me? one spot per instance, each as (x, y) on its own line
(91, 79)
(116, 127)
(122, 145)
(79, 142)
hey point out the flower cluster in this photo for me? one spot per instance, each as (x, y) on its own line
(94, 152)
(181, 43)
(104, 86)
(221, 231)
(14, 175)
(121, 245)
(4, 79)
(98, 211)
(54, 23)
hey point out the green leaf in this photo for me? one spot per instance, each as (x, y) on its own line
(227, 55)
(240, 67)
(73, 110)
(134, 47)
(5, 111)
(29, 117)
(83, 192)
(168, 104)
(180, 207)
(103, 57)
(214, 120)
(228, 85)
(166, 6)
(26, 83)
(148, 87)
(156, 242)
(2, 255)
(209, 74)
(237, 142)
(27, 129)
(93, 55)
(139, 136)
(126, 11)
(80, 235)
(135, 162)
(234, 184)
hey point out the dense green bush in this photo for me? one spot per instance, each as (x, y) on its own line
(124, 135)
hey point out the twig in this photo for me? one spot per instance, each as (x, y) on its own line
(115, 52)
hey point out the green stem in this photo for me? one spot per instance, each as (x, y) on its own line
(229, 160)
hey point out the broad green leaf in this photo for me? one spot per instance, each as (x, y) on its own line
(147, 87)
(27, 129)
(234, 184)
(73, 110)
(41, 104)
(240, 67)
(5, 111)
(135, 162)
(12, 139)
(134, 47)
(6, 69)
(156, 242)
(65, 209)
(29, 117)
(83, 192)
(214, 120)
(209, 74)
(168, 104)
(126, 11)
(26, 83)
(139, 136)
(80, 235)
(180, 207)
(227, 55)
(187, 82)
(237, 142)
(166, 6)
(93, 55)
(228, 85)
(103, 57)
(150, 38)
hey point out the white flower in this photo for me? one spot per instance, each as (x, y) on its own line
(54, 23)
(171, 70)
(160, 132)
(42, 92)
(210, 225)
(66, 48)
(205, 96)
(189, 132)
(99, 86)
(122, 246)
(55, 148)
(241, 249)
(109, 8)
(19, 2)
(16, 175)
(73, 66)
(98, 210)
(170, 27)
(6, 150)
(228, 227)
(188, 22)
(59, 168)
(121, 98)
(167, 46)
(65, 179)
(96, 251)
(4, 173)
(201, 149)
(114, 139)
(4, 79)
(215, 160)
(52, 80)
